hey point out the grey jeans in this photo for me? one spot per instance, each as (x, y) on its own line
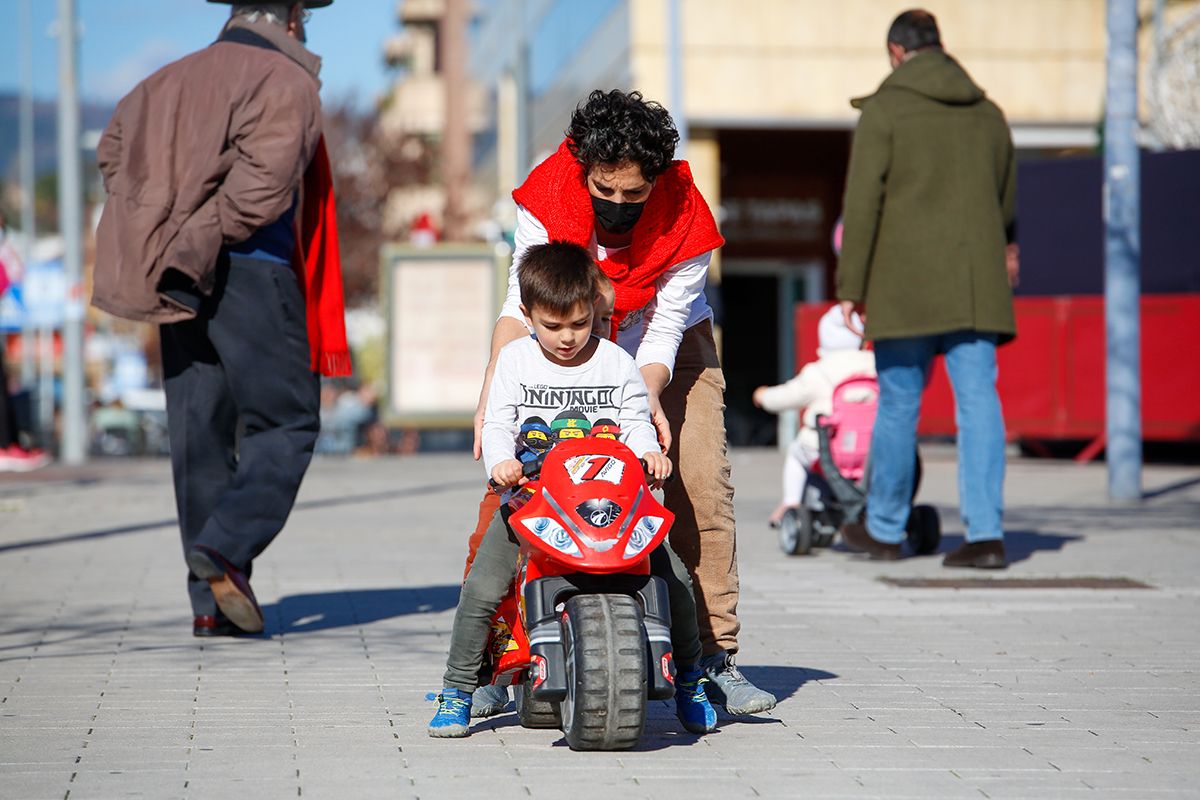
(493, 572)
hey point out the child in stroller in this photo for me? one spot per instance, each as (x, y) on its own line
(824, 476)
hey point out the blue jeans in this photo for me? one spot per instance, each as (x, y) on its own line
(903, 367)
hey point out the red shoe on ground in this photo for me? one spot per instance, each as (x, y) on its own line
(15, 458)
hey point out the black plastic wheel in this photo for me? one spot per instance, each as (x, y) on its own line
(796, 531)
(605, 647)
(924, 529)
(535, 713)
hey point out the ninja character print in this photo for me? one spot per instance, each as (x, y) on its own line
(606, 429)
(534, 439)
(570, 424)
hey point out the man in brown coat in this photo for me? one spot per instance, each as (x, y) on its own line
(203, 163)
(928, 212)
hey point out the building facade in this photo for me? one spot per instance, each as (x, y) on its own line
(761, 90)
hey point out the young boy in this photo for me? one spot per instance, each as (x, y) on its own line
(839, 356)
(606, 301)
(558, 287)
(490, 699)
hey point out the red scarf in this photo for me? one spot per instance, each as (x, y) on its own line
(676, 224)
(321, 280)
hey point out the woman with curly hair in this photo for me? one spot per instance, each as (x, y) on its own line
(614, 188)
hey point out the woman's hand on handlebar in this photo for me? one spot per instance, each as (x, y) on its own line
(508, 473)
(658, 466)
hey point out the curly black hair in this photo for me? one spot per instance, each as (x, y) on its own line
(611, 127)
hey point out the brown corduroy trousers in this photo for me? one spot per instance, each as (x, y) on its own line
(704, 534)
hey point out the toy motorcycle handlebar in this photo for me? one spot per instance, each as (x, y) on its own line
(531, 469)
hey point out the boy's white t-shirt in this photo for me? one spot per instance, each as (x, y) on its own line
(526, 384)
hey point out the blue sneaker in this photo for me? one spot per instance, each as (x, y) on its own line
(453, 717)
(691, 702)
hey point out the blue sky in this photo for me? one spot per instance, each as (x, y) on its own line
(125, 40)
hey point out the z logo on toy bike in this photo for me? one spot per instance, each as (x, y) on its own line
(594, 468)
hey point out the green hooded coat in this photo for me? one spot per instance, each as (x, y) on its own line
(929, 205)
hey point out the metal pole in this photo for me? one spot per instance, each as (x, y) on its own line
(70, 216)
(1159, 26)
(675, 56)
(28, 186)
(524, 103)
(456, 138)
(1122, 251)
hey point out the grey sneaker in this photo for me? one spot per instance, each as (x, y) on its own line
(489, 700)
(728, 687)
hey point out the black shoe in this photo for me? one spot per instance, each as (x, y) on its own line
(980, 555)
(205, 626)
(856, 536)
(230, 587)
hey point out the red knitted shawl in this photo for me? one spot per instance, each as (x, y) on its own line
(676, 224)
(321, 278)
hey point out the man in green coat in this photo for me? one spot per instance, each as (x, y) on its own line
(927, 253)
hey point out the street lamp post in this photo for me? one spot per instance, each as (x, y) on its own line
(675, 46)
(73, 448)
(28, 185)
(1122, 257)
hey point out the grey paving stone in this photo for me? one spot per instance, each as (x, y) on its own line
(885, 692)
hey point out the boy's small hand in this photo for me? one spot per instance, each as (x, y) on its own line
(508, 473)
(658, 466)
(756, 398)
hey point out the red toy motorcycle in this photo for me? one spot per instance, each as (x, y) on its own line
(585, 633)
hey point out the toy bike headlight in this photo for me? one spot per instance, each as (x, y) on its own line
(641, 536)
(554, 535)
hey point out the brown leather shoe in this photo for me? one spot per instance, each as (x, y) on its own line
(856, 536)
(206, 625)
(980, 555)
(229, 586)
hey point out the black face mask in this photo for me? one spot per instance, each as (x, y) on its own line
(616, 217)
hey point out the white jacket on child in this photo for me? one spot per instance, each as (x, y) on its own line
(812, 389)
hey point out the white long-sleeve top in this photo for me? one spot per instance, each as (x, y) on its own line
(812, 388)
(527, 385)
(651, 334)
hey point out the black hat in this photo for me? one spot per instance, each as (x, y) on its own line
(307, 3)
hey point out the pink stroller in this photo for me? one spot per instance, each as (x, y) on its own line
(836, 491)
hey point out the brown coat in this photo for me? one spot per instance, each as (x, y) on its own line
(201, 154)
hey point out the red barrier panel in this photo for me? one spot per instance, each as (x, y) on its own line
(1052, 375)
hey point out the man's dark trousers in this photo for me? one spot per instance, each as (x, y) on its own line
(244, 360)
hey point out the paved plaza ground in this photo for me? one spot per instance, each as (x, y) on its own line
(886, 691)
